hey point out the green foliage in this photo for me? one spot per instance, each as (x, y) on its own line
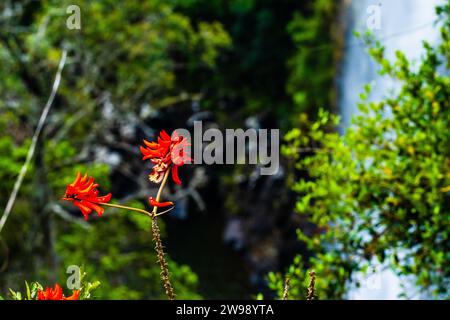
(298, 282)
(381, 191)
(145, 45)
(315, 34)
(87, 289)
(270, 60)
(12, 154)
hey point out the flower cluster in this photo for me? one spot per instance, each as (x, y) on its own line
(168, 153)
(56, 294)
(84, 194)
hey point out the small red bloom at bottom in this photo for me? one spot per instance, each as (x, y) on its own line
(158, 204)
(56, 294)
(75, 295)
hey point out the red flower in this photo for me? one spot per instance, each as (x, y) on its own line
(155, 203)
(83, 194)
(56, 294)
(167, 152)
(75, 295)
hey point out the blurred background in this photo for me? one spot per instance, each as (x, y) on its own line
(364, 203)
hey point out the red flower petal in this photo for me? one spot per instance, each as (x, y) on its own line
(84, 209)
(155, 203)
(167, 151)
(151, 145)
(50, 294)
(56, 294)
(104, 199)
(84, 179)
(96, 208)
(164, 135)
(84, 195)
(175, 177)
(75, 295)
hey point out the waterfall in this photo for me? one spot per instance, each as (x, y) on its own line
(402, 25)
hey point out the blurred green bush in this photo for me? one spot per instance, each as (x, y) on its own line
(381, 191)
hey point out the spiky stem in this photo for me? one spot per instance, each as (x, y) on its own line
(287, 282)
(165, 275)
(311, 287)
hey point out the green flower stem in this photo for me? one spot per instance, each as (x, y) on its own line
(161, 187)
(161, 213)
(118, 206)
